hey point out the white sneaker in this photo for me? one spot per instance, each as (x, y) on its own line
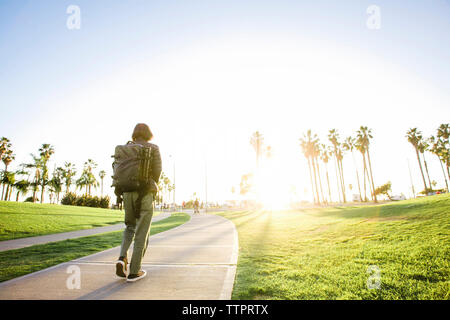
(135, 277)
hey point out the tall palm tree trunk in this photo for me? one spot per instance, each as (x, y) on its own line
(42, 192)
(371, 177)
(367, 179)
(421, 170)
(328, 183)
(3, 184)
(364, 177)
(311, 179)
(342, 181)
(357, 175)
(448, 172)
(6, 193)
(320, 180)
(426, 170)
(443, 171)
(315, 180)
(337, 178)
(34, 194)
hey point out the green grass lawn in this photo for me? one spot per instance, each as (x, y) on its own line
(20, 220)
(325, 253)
(15, 263)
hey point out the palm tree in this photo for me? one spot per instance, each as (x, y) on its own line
(414, 137)
(56, 182)
(8, 157)
(316, 155)
(22, 187)
(445, 154)
(163, 184)
(349, 145)
(45, 152)
(68, 174)
(89, 166)
(444, 134)
(325, 155)
(340, 157)
(5, 154)
(8, 179)
(5, 145)
(424, 146)
(333, 137)
(307, 143)
(166, 186)
(37, 166)
(436, 147)
(364, 135)
(102, 175)
(82, 182)
(306, 152)
(359, 145)
(257, 141)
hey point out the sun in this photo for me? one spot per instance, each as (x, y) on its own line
(272, 188)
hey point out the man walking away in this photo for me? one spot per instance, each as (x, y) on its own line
(137, 221)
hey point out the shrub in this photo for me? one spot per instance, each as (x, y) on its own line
(80, 201)
(104, 202)
(71, 199)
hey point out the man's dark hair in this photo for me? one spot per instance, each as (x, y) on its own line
(142, 132)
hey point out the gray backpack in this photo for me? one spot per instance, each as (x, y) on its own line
(131, 168)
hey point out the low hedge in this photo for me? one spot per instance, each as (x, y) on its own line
(72, 199)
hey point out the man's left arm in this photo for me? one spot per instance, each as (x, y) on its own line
(156, 164)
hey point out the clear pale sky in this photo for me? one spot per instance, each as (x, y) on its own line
(206, 74)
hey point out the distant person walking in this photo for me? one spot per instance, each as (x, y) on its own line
(139, 210)
(196, 205)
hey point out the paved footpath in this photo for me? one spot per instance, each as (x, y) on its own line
(31, 241)
(196, 260)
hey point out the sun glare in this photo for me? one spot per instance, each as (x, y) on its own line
(272, 188)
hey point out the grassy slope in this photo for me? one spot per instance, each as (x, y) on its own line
(325, 253)
(15, 263)
(19, 220)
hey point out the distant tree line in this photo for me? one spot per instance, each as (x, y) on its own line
(439, 146)
(34, 177)
(320, 155)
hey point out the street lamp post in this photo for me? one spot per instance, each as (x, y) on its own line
(174, 187)
(206, 187)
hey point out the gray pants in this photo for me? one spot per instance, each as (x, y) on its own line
(139, 229)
